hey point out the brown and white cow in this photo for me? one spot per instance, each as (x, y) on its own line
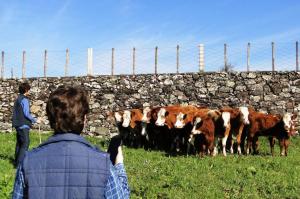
(239, 118)
(275, 126)
(166, 116)
(184, 124)
(204, 130)
(221, 126)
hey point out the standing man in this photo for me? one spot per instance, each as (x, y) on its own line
(22, 120)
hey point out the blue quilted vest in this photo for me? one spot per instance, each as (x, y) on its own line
(66, 166)
(18, 117)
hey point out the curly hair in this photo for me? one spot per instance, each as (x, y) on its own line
(66, 109)
(24, 87)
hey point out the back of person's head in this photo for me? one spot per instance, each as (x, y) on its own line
(24, 87)
(66, 109)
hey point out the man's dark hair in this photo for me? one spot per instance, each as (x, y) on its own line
(24, 87)
(66, 109)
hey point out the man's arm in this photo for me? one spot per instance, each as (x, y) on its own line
(26, 110)
(117, 185)
(19, 186)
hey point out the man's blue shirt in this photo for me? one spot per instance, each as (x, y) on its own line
(26, 111)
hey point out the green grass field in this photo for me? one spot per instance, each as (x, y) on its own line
(155, 175)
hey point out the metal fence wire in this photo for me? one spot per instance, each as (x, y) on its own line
(268, 56)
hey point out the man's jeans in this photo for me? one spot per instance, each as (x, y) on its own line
(22, 144)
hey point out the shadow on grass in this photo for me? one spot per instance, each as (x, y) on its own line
(7, 157)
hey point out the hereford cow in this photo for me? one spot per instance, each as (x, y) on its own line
(204, 130)
(239, 117)
(220, 127)
(132, 127)
(274, 126)
(168, 116)
(184, 124)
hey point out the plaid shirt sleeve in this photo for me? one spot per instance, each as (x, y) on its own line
(117, 185)
(19, 186)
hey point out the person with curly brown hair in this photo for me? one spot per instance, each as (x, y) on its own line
(67, 165)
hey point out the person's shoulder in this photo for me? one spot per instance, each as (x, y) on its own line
(98, 151)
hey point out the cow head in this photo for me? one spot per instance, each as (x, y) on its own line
(244, 115)
(196, 126)
(146, 115)
(180, 120)
(287, 121)
(293, 131)
(161, 117)
(226, 119)
(118, 117)
(126, 118)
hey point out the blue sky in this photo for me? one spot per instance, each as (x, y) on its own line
(56, 25)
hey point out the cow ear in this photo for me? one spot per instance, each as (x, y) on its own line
(167, 113)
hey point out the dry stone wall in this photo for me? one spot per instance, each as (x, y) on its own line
(272, 92)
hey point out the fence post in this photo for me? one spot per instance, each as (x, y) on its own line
(67, 62)
(12, 73)
(90, 61)
(133, 61)
(201, 57)
(177, 59)
(155, 69)
(297, 57)
(23, 63)
(45, 63)
(225, 57)
(112, 61)
(2, 65)
(248, 57)
(273, 57)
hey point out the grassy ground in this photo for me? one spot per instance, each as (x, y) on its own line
(154, 175)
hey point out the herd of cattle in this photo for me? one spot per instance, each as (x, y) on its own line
(191, 129)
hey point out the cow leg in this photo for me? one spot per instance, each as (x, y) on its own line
(281, 144)
(202, 150)
(272, 143)
(231, 139)
(211, 147)
(255, 145)
(224, 140)
(216, 141)
(286, 145)
(249, 144)
(238, 139)
(191, 142)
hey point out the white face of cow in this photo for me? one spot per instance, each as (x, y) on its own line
(226, 119)
(118, 117)
(287, 121)
(180, 120)
(161, 117)
(126, 118)
(194, 130)
(245, 115)
(145, 117)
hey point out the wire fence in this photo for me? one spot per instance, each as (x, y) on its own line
(279, 56)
